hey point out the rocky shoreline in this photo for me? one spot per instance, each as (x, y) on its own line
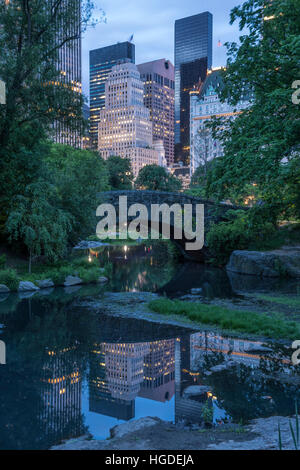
(154, 434)
(284, 262)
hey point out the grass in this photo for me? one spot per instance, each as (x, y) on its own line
(270, 325)
(79, 266)
(288, 300)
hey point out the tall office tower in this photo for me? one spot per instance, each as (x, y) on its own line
(101, 63)
(69, 66)
(159, 371)
(159, 80)
(193, 56)
(125, 128)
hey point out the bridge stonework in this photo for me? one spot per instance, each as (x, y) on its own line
(213, 212)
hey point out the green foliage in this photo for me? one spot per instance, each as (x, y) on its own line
(2, 261)
(198, 187)
(270, 325)
(261, 145)
(60, 207)
(78, 176)
(242, 231)
(38, 222)
(120, 174)
(295, 433)
(10, 278)
(37, 94)
(48, 192)
(156, 178)
(88, 271)
(207, 412)
(288, 300)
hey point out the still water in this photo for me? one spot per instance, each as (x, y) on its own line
(71, 371)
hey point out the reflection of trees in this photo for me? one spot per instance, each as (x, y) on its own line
(44, 342)
(246, 394)
(146, 270)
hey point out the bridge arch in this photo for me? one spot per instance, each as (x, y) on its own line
(213, 212)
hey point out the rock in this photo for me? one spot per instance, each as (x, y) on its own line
(4, 289)
(102, 279)
(26, 286)
(241, 283)
(133, 426)
(196, 291)
(45, 284)
(196, 390)
(72, 281)
(277, 263)
(86, 245)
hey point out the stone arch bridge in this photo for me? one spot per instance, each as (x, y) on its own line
(213, 212)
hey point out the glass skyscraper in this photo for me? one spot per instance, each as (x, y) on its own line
(70, 67)
(193, 42)
(101, 63)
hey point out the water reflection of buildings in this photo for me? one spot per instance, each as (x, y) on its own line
(240, 350)
(190, 351)
(121, 372)
(159, 371)
(61, 395)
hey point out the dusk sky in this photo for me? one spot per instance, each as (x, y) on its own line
(152, 23)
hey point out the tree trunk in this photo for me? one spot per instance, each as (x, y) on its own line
(30, 262)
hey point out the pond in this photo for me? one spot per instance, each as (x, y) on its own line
(70, 371)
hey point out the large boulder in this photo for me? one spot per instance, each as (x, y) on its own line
(45, 284)
(133, 426)
(72, 281)
(284, 262)
(26, 286)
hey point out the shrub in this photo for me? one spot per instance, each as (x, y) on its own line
(2, 261)
(10, 278)
(242, 231)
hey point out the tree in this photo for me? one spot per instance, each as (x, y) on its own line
(32, 34)
(37, 221)
(156, 178)
(120, 173)
(79, 176)
(261, 146)
(201, 147)
(200, 177)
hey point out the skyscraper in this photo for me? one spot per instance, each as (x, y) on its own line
(193, 55)
(70, 68)
(125, 128)
(68, 64)
(159, 97)
(101, 62)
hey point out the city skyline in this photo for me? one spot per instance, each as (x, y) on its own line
(154, 39)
